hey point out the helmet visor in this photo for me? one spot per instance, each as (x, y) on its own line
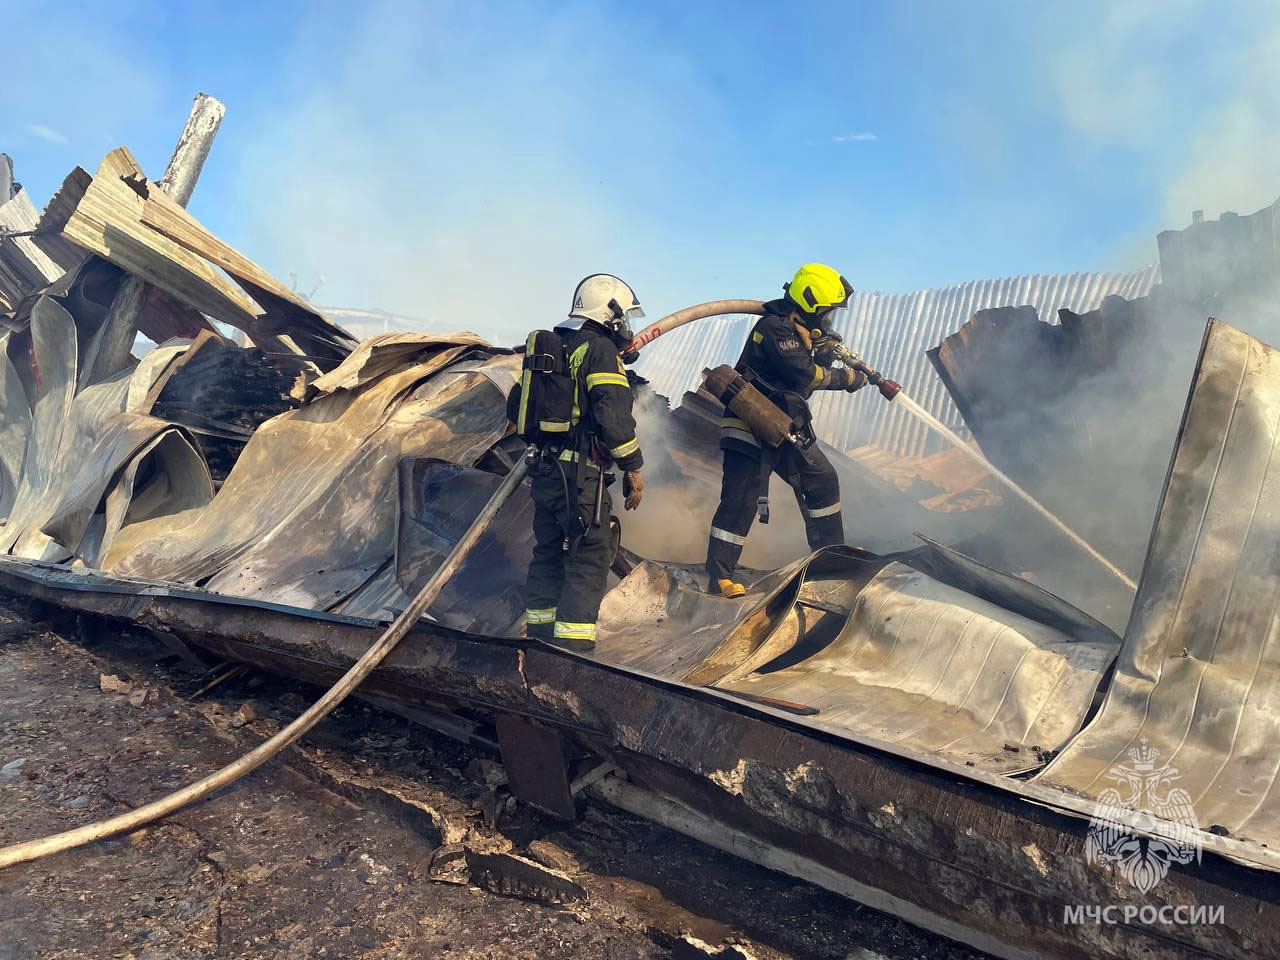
(823, 312)
(623, 317)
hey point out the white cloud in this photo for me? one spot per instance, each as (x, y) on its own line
(862, 137)
(45, 133)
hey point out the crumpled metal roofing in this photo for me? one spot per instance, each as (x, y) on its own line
(926, 652)
(77, 444)
(1197, 684)
(924, 665)
(892, 332)
(882, 648)
(307, 514)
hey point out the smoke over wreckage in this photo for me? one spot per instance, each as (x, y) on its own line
(932, 722)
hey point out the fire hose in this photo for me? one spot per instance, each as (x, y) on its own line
(720, 308)
(156, 809)
(833, 344)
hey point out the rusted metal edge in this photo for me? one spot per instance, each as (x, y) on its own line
(58, 578)
(969, 857)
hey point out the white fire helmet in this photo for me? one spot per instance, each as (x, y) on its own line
(608, 301)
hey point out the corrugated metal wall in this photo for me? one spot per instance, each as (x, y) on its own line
(892, 333)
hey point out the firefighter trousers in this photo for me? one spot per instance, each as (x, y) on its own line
(565, 587)
(745, 479)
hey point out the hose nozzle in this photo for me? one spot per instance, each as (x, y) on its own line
(888, 388)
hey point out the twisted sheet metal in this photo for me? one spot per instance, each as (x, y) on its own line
(307, 516)
(892, 332)
(883, 649)
(1196, 691)
(922, 664)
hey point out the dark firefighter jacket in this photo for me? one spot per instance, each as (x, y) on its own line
(602, 400)
(781, 367)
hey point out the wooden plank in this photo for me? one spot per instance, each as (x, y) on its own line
(107, 221)
(121, 327)
(284, 309)
(174, 222)
(48, 236)
(21, 254)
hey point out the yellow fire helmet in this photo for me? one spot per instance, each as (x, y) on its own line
(816, 290)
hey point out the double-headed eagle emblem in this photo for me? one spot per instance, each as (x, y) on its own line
(1144, 824)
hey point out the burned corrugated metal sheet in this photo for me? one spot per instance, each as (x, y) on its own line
(1232, 253)
(922, 664)
(1082, 413)
(307, 514)
(82, 443)
(222, 393)
(1197, 686)
(24, 265)
(892, 332)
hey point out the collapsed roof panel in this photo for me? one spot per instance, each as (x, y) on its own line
(1197, 684)
(307, 514)
(222, 393)
(922, 664)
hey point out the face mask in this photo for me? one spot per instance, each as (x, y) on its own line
(621, 328)
(621, 333)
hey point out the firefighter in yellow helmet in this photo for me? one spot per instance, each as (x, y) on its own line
(779, 360)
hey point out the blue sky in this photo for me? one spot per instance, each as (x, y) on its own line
(468, 162)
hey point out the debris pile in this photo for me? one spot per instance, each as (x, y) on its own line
(873, 721)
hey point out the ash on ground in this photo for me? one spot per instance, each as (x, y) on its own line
(374, 838)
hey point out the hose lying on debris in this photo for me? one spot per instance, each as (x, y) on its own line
(133, 819)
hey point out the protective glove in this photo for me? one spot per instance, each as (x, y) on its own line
(632, 488)
(855, 380)
(826, 347)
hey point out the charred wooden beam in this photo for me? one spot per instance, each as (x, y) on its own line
(178, 182)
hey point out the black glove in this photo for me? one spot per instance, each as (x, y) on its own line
(825, 356)
(826, 348)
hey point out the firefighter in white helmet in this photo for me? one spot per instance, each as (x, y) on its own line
(573, 545)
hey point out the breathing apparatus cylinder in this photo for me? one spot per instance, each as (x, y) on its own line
(769, 424)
